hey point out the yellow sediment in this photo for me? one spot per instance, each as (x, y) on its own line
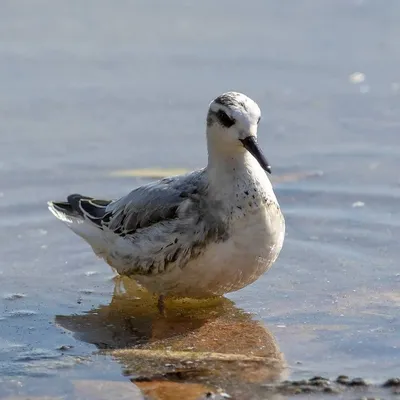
(185, 355)
(155, 173)
(158, 173)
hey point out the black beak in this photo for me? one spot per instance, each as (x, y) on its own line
(251, 145)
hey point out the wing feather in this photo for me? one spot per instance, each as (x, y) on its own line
(154, 227)
(151, 203)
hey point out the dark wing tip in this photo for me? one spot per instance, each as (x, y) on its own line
(74, 201)
(63, 207)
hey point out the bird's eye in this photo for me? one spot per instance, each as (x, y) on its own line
(224, 119)
(259, 119)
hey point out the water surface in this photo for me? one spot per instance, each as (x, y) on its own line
(88, 89)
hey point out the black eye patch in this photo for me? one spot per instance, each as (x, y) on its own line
(224, 119)
(259, 119)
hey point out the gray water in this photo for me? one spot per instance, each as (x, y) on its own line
(88, 88)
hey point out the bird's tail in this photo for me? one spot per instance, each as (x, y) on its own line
(68, 211)
(64, 212)
(83, 216)
(78, 207)
(80, 213)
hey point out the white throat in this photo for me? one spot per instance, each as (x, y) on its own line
(232, 170)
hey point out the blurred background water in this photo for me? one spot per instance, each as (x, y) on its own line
(88, 88)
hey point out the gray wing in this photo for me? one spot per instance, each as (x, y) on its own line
(145, 206)
(156, 226)
(151, 203)
(156, 237)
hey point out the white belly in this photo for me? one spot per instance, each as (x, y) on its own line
(253, 245)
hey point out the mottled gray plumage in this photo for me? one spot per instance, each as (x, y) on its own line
(200, 234)
(166, 211)
(154, 202)
(230, 99)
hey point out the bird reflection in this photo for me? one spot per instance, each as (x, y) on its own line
(209, 341)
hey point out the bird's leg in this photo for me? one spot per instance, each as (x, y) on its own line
(118, 285)
(161, 305)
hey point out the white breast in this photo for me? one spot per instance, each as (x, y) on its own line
(253, 245)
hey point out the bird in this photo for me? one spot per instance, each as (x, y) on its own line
(202, 234)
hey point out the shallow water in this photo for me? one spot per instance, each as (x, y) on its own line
(90, 89)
